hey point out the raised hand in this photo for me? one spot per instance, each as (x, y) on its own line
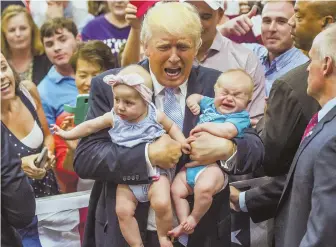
(239, 25)
(131, 17)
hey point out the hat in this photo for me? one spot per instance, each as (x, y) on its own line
(214, 4)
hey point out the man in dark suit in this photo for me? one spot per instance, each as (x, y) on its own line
(170, 47)
(306, 213)
(288, 112)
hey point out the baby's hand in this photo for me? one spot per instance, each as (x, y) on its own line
(193, 106)
(186, 148)
(58, 131)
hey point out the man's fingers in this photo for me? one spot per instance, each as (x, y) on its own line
(253, 11)
(245, 24)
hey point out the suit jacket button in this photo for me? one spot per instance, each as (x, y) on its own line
(133, 177)
(128, 177)
(124, 178)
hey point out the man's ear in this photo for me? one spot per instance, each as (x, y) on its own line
(220, 15)
(146, 50)
(327, 20)
(328, 66)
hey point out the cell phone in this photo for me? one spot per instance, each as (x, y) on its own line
(81, 108)
(142, 6)
(42, 158)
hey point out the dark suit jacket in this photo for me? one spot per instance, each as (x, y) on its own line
(306, 214)
(288, 113)
(109, 164)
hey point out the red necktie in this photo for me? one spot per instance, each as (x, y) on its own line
(313, 121)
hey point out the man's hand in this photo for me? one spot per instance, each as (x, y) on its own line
(239, 25)
(234, 199)
(207, 149)
(131, 17)
(164, 152)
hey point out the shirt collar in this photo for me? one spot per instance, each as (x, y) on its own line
(158, 88)
(214, 48)
(56, 77)
(326, 108)
(282, 60)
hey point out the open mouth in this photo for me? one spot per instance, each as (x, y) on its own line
(173, 72)
(227, 105)
(5, 86)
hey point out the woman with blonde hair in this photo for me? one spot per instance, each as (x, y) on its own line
(21, 44)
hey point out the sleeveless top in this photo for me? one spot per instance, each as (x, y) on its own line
(129, 134)
(15, 150)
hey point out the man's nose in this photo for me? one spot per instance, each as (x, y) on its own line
(291, 21)
(273, 26)
(174, 57)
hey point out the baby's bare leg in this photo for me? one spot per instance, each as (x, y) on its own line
(125, 208)
(159, 197)
(180, 190)
(209, 182)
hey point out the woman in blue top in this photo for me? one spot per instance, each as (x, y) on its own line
(224, 116)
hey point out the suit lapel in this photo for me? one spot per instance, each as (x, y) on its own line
(318, 128)
(194, 86)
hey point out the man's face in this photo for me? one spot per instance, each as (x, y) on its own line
(306, 24)
(209, 19)
(275, 29)
(170, 58)
(60, 47)
(315, 77)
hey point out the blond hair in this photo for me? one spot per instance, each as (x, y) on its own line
(14, 10)
(174, 18)
(248, 78)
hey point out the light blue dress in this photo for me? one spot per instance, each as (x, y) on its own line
(129, 135)
(209, 114)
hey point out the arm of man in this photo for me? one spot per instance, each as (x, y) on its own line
(131, 52)
(237, 156)
(284, 126)
(321, 225)
(260, 202)
(98, 158)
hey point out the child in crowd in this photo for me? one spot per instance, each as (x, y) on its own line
(134, 119)
(223, 116)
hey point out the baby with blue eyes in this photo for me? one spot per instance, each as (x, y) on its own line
(223, 116)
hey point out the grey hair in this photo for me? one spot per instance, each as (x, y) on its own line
(174, 18)
(326, 43)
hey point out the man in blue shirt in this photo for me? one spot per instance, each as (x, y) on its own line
(278, 55)
(59, 37)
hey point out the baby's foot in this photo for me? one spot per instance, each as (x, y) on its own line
(178, 231)
(165, 242)
(189, 224)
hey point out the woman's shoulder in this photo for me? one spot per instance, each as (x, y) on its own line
(29, 89)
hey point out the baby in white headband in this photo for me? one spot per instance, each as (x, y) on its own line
(134, 119)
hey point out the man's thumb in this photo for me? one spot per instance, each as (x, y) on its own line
(253, 11)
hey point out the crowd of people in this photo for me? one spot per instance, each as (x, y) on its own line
(182, 101)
